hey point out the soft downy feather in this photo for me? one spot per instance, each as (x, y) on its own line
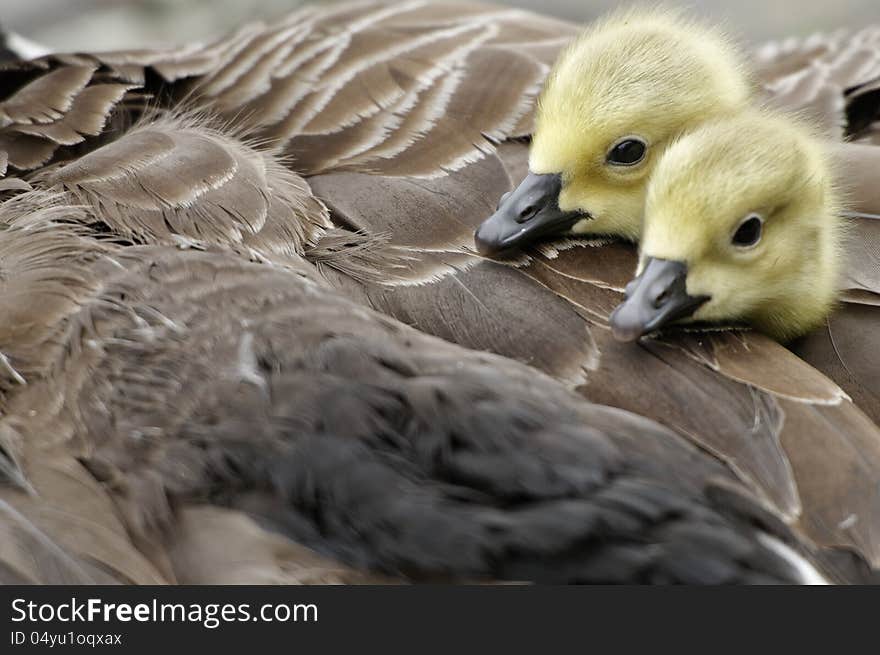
(45, 251)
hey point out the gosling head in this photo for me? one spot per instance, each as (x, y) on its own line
(614, 100)
(741, 225)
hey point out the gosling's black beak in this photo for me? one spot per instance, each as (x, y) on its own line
(655, 298)
(524, 215)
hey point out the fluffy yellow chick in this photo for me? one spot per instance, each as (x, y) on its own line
(742, 224)
(615, 99)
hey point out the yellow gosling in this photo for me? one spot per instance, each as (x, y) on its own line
(615, 99)
(742, 224)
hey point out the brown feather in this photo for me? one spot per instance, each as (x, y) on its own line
(178, 178)
(87, 115)
(816, 75)
(47, 98)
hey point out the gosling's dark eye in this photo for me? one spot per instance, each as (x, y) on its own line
(748, 233)
(628, 152)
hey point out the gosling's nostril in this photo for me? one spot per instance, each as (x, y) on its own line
(661, 298)
(527, 212)
(502, 199)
